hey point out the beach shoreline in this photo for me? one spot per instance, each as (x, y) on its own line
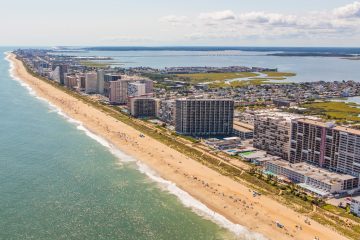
(221, 194)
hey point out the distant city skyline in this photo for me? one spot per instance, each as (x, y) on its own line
(182, 23)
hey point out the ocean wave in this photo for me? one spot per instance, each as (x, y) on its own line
(14, 77)
(186, 199)
(199, 208)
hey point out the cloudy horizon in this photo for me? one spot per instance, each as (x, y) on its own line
(225, 23)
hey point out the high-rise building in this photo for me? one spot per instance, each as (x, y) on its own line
(55, 74)
(314, 142)
(142, 107)
(149, 85)
(100, 81)
(63, 71)
(107, 79)
(59, 72)
(81, 83)
(204, 117)
(136, 89)
(272, 132)
(71, 81)
(118, 92)
(323, 144)
(91, 82)
(349, 151)
(166, 111)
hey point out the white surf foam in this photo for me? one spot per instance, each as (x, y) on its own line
(198, 207)
(186, 199)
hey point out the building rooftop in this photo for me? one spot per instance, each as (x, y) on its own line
(278, 115)
(316, 122)
(203, 99)
(348, 130)
(357, 198)
(320, 123)
(314, 172)
(243, 126)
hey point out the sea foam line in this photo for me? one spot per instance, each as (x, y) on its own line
(186, 199)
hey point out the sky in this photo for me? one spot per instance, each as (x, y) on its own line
(180, 23)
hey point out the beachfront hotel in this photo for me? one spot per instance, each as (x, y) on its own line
(129, 86)
(326, 145)
(318, 181)
(91, 82)
(243, 130)
(355, 206)
(143, 106)
(118, 92)
(136, 89)
(107, 79)
(322, 157)
(272, 132)
(204, 117)
(166, 111)
(100, 81)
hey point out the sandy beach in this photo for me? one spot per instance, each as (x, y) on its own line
(221, 194)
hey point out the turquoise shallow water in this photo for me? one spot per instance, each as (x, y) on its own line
(57, 183)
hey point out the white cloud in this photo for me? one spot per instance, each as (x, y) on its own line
(339, 23)
(268, 18)
(173, 19)
(218, 16)
(348, 11)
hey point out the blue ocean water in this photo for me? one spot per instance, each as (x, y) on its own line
(56, 182)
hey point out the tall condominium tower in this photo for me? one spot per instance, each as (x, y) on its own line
(326, 145)
(272, 132)
(204, 117)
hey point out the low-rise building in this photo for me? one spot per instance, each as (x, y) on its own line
(355, 206)
(313, 179)
(283, 103)
(243, 130)
(225, 143)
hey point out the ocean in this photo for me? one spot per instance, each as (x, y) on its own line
(60, 181)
